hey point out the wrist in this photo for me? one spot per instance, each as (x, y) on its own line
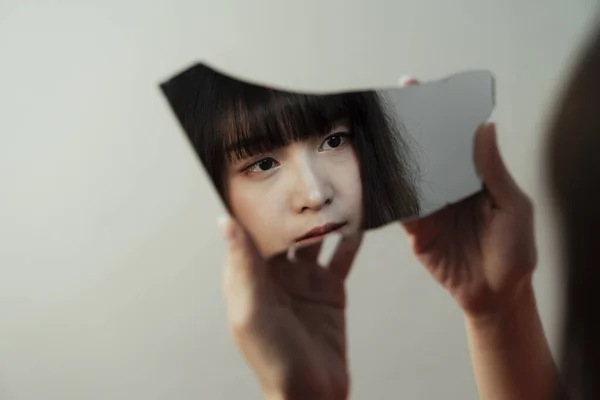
(509, 351)
(515, 305)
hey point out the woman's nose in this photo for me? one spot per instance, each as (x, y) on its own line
(311, 191)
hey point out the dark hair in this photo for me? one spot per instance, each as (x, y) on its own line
(574, 165)
(225, 117)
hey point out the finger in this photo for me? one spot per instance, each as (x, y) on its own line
(344, 255)
(422, 232)
(243, 267)
(498, 181)
(411, 227)
(408, 81)
(308, 283)
(309, 252)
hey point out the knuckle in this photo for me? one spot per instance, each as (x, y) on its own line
(243, 317)
(525, 204)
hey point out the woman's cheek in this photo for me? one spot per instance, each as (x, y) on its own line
(348, 185)
(347, 170)
(244, 204)
(254, 208)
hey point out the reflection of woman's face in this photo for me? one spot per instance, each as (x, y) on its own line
(298, 193)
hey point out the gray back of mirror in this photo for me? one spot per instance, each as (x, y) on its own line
(441, 118)
(293, 167)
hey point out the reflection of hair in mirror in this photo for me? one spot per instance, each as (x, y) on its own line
(574, 166)
(228, 120)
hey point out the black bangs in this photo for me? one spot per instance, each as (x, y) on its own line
(226, 119)
(255, 120)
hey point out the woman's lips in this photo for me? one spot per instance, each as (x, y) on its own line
(318, 233)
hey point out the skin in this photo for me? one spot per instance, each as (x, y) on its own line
(281, 196)
(288, 318)
(481, 250)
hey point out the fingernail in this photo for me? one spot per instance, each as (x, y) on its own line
(404, 80)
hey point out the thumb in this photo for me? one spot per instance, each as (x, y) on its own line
(244, 269)
(498, 181)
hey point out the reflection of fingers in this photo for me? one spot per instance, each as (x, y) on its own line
(344, 255)
(309, 253)
(307, 282)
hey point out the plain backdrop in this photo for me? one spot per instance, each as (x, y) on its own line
(110, 259)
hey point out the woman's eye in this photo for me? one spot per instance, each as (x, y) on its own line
(263, 165)
(334, 141)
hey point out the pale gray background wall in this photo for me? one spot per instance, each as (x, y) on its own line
(110, 262)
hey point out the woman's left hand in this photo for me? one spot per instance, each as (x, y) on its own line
(287, 317)
(481, 249)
